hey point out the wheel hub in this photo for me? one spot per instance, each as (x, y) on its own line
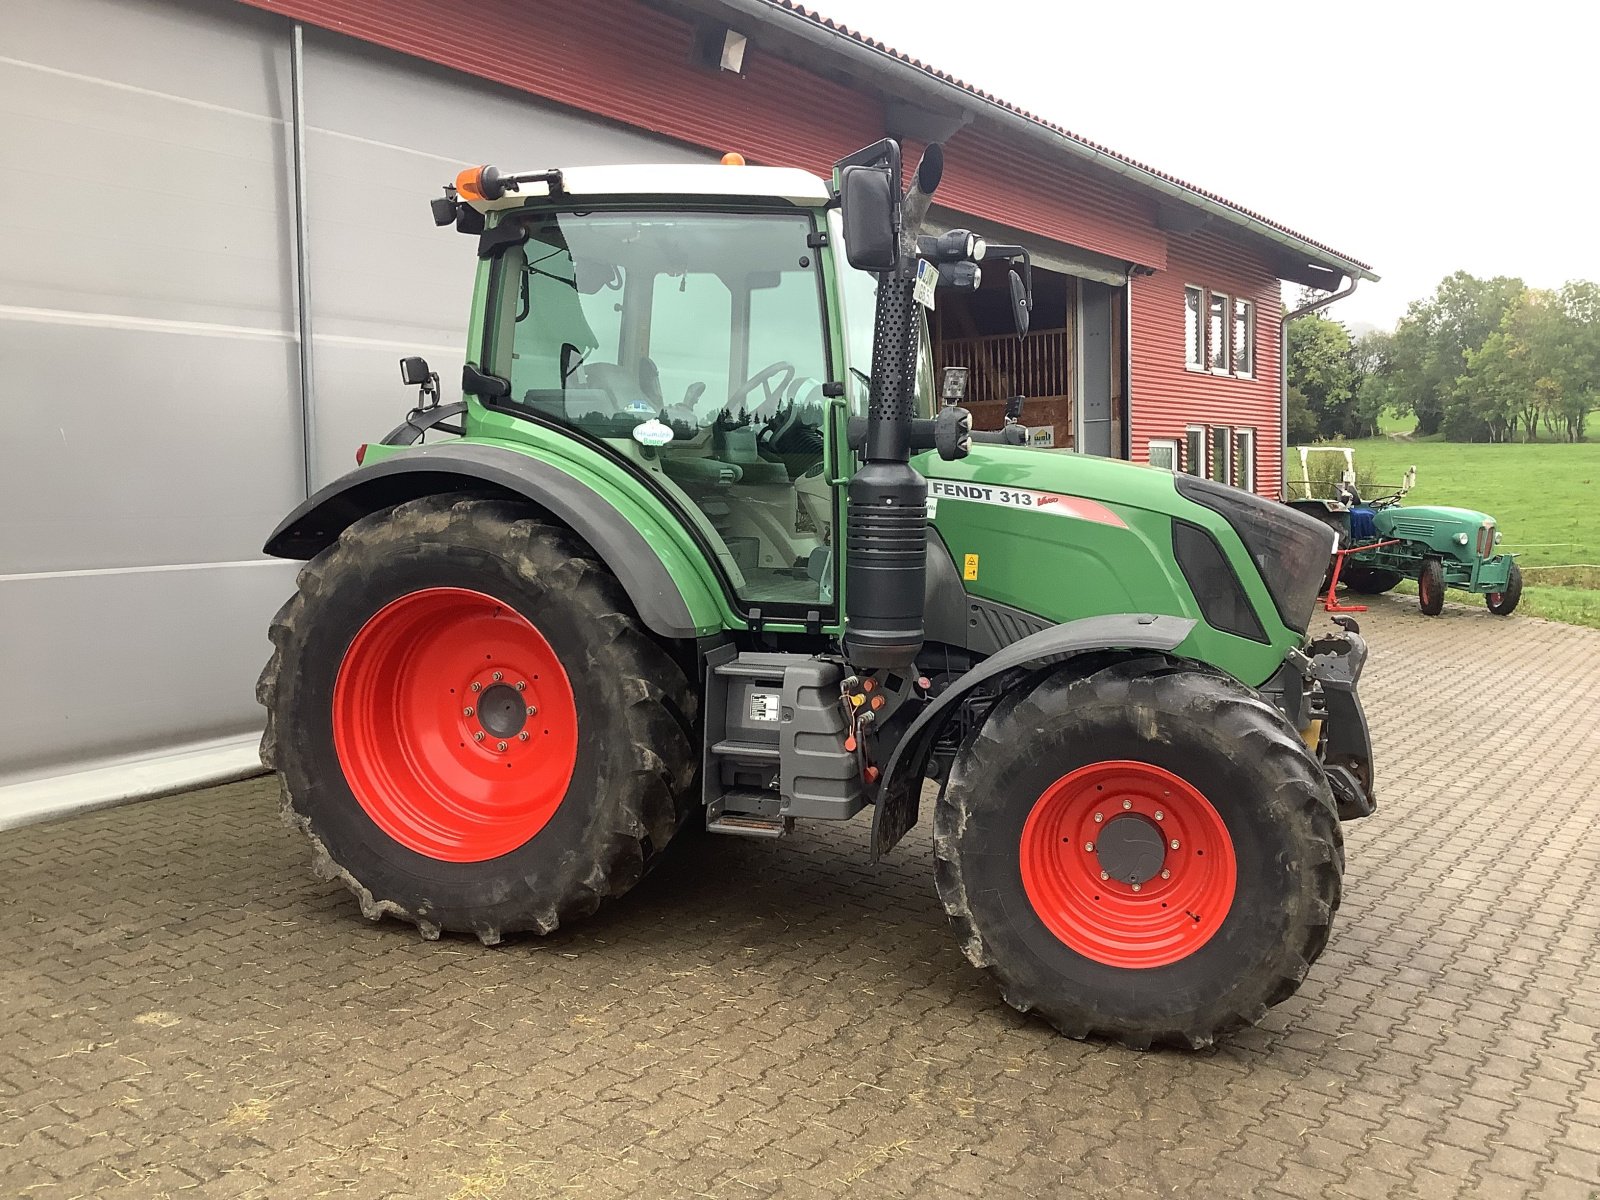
(455, 724)
(1128, 864)
(502, 711)
(1131, 849)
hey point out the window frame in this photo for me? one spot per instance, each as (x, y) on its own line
(1188, 466)
(1189, 364)
(1223, 435)
(1248, 308)
(1244, 464)
(1175, 445)
(1227, 333)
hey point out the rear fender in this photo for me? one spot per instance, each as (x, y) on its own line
(898, 796)
(672, 604)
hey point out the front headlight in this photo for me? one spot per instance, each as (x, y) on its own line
(1289, 549)
(1461, 539)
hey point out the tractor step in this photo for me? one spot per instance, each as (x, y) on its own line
(748, 825)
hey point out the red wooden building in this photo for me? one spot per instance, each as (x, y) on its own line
(253, 249)
(1159, 316)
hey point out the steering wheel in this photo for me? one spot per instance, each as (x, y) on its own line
(771, 393)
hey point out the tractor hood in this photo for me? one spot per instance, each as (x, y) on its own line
(1438, 513)
(1064, 536)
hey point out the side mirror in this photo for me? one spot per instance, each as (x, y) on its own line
(868, 204)
(414, 371)
(1019, 304)
(1411, 478)
(952, 433)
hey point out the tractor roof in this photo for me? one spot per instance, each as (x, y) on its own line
(767, 183)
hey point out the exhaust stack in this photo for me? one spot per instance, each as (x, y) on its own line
(887, 516)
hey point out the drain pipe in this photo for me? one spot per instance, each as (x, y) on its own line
(1283, 370)
(302, 253)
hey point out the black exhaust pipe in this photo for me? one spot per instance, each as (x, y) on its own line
(887, 516)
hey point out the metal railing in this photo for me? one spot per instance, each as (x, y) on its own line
(1003, 366)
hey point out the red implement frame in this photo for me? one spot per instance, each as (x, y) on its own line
(1329, 602)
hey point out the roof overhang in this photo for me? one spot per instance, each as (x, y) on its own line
(916, 95)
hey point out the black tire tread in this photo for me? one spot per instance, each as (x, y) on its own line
(656, 720)
(1259, 728)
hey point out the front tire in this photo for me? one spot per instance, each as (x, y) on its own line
(1104, 772)
(1503, 604)
(469, 723)
(1430, 587)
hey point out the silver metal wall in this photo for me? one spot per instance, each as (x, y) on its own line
(149, 359)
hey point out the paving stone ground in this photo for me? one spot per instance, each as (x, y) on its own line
(184, 1010)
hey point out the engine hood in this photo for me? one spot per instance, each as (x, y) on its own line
(1441, 514)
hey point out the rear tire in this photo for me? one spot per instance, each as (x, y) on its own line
(1430, 587)
(1370, 581)
(1181, 959)
(438, 813)
(1503, 604)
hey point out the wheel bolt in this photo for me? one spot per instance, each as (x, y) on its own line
(1103, 875)
(478, 737)
(499, 745)
(497, 677)
(477, 687)
(1174, 843)
(1160, 816)
(467, 711)
(523, 736)
(1136, 887)
(522, 685)
(532, 711)
(1127, 804)
(1089, 846)
(1098, 817)
(1166, 874)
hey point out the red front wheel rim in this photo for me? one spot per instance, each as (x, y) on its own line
(1128, 864)
(455, 724)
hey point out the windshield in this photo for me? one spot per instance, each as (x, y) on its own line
(859, 291)
(692, 343)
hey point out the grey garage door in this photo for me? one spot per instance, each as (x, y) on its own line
(149, 353)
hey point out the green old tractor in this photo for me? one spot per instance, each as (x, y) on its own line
(701, 546)
(1438, 546)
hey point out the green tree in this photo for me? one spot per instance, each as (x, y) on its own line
(1428, 352)
(1321, 370)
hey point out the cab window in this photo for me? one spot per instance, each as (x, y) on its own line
(694, 345)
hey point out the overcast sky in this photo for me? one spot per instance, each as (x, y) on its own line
(1418, 137)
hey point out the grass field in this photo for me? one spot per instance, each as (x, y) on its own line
(1545, 496)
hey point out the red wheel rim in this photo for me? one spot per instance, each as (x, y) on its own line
(1164, 851)
(455, 724)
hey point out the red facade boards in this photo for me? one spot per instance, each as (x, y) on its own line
(628, 62)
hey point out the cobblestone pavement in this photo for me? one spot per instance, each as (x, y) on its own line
(184, 1009)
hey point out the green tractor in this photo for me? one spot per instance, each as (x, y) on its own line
(1438, 546)
(703, 547)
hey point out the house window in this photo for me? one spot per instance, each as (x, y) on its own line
(1194, 450)
(1244, 448)
(1222, 454)
(1217, 333)
(1164, 453)
(1193, 330)
(1244, 339)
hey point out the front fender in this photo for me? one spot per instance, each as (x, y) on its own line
(670, 599)
(901, 783)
